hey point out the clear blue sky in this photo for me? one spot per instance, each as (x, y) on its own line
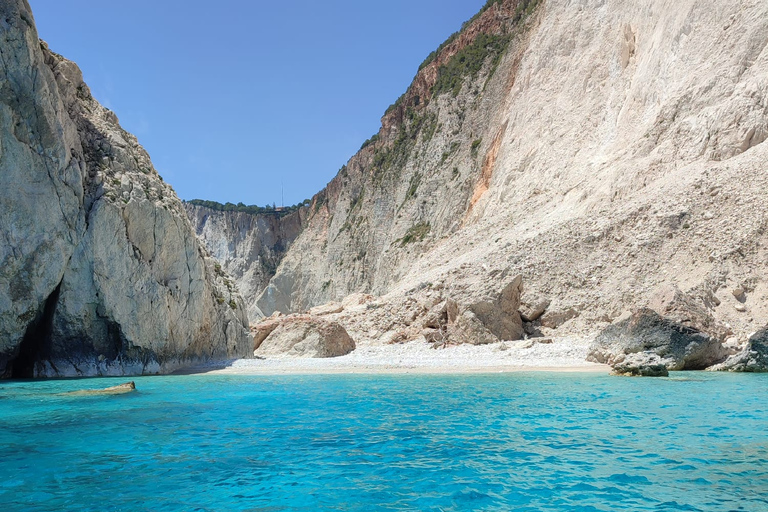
(233, 97)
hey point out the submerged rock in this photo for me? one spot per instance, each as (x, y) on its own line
(120, 389)
(304, 336)
(754, 357)
(679, 347)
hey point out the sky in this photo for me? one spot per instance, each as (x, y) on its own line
(249, 101)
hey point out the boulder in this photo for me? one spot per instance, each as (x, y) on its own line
(434, 335)
(452, 310)
(306, 336)
(263, 329)
(469, 329)
(554, 319)
(497, 309)
(643, 364)
(669, 302)
(437, 317)
(680, 347)
(330, 308)
(532, 310)
(754, 357)
(477, 315)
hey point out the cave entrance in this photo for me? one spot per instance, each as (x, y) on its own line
(35, 346)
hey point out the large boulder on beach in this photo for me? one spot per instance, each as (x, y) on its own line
(754, 357)
(670, 302)
(470, 329)
(485, 313)
(304, 336)
(264, 328)
(679, 347)
(498, 309)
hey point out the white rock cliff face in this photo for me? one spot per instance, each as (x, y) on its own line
(616, 147)
(248, 246)
(101, 271)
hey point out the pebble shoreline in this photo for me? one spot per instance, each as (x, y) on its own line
(564, 354)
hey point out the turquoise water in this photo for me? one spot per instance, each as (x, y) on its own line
(522, 442)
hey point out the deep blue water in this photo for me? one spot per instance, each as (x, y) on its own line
(522, 442)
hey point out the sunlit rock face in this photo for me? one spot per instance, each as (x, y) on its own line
(101, 271)
(600, 150)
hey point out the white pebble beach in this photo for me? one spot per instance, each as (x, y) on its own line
(562, 355)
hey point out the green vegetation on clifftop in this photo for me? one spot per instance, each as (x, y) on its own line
(251, 209)
(432, 56)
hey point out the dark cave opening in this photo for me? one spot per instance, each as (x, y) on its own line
(35, 345)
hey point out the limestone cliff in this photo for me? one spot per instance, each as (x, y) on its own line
(599, 149)
(101, 271)
(249, 247)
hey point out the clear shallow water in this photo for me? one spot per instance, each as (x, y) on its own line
(523, 442)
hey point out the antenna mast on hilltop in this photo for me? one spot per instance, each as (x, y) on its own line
(282, 194)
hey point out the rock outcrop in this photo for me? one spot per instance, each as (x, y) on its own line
(249, 247)
(302, 336)
(753, 358)
(642, 364)
(101, 271)
(677, 346)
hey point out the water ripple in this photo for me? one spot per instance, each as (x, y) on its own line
(525, 442)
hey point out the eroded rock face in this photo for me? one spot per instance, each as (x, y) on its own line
(304, 336)
(679, 347)
(101, 271)
(42, 168)
(754, 357)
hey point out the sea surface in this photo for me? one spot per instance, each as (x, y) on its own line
(511, 442)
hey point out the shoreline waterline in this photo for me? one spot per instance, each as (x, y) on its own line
(286, 368)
